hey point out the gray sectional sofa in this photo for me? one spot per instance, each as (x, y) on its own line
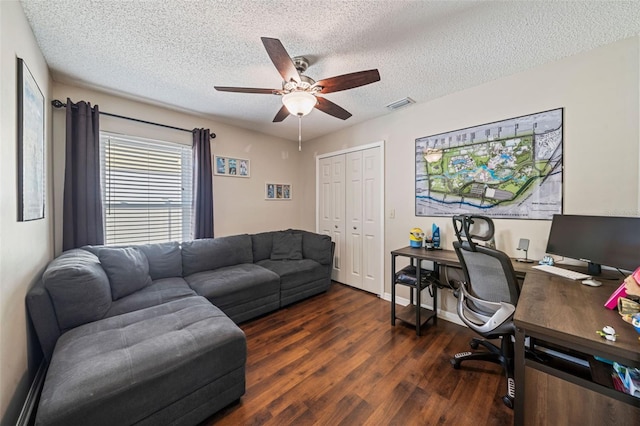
(147, 334)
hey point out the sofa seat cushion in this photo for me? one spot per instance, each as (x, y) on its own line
(235, 285)
(123, 369)
(294, 273)
(159, 292)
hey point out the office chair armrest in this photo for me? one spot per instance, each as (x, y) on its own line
(483, 324)
(488, 307)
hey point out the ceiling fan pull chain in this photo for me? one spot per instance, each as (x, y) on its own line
(300, 133)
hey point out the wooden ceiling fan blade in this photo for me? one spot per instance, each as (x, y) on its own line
(247, 90)
(281, 59)
(281, 115)
(348, 81)
(330, 108)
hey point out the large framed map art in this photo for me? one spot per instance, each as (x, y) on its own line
(509, 169)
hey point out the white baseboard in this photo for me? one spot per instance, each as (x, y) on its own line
(445, 315)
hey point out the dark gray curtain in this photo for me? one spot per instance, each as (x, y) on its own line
(202, 185)
(82, 216)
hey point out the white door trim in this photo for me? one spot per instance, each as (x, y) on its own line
(381, 229)
(379, 144)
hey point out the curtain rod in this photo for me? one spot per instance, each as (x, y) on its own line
(59, 104)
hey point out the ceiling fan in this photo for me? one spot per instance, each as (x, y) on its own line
(299, 92)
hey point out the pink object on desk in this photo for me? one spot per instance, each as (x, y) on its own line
(612, 302)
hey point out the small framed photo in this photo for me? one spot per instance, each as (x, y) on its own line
(231, 166)
(277, 191)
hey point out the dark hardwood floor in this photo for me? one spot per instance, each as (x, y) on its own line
(334, 359)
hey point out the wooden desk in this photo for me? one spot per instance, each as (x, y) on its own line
(449, 258)
(567, 314)
(419, 317)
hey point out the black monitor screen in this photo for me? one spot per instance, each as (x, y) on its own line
(601, 240)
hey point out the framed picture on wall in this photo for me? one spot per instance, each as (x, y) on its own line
(507, 169)
(231, 166)
(277, 191)
(30, 146)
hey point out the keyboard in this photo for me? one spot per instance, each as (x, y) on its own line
(566, 273)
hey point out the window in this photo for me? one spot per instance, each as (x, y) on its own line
(146, 190)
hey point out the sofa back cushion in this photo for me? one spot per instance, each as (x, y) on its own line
(212, 253)
(79, 288)
(286, 246)
(127, 269)
(317, 247)
(262, 244)
(165, 259)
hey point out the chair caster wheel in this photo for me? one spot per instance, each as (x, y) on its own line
(455, 363)
(474, 344)
(508, 401)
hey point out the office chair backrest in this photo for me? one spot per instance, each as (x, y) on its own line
(473, 227)
(488, 272)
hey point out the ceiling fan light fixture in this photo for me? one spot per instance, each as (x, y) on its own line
(299, 103)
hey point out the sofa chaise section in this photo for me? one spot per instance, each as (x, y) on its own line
(139, 367)
(118, 349)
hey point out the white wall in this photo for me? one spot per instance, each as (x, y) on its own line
(25, 247)
(599, 91)
(239, 203)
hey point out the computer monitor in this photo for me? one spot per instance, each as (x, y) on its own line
(599, 240)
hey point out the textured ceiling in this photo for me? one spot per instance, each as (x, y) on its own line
(173, 52)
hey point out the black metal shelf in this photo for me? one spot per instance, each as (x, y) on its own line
(408, 314)
(417, 280)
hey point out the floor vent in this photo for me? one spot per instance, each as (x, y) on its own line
(400, 103)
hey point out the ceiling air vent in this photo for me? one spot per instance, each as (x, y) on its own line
(400, 103)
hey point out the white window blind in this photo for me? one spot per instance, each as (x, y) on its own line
(146, 190)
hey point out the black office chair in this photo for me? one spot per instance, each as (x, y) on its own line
(488, 297)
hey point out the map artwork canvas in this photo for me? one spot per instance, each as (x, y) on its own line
(510, 169)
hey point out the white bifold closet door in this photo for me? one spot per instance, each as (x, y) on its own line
(349, 211)
(331, 209)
